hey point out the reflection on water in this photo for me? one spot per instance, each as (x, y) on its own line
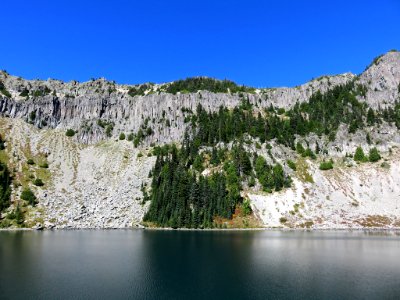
(141, 264)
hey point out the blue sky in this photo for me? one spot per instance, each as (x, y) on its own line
(258, 43)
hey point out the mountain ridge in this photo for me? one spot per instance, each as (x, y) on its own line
(55, 101)
(100, 146)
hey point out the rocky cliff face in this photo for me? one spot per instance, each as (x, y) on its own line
(94, 180)
(79, 106)
(381, 81)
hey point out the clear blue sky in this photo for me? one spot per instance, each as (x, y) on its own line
(258, 43)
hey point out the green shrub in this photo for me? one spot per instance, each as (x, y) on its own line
(332, 136)
(29, 196)
(139, 90)
(326, 165)
(109, 130)
(374, 155)
(24, 93)
(122, 136)
(246, 207)
(38, 182)
(281, 111)
(136, 142)
(16, 215)
(291, 164)
(309, 153)
(44, 165)
(300, 149)
(282, 220)
(359, 155)
(11, 215)
(149, 131)
(70, 132)
(252, 181)
(30, 161)
(131, 137)
(32, 115)
(19, 216)
(4, 91)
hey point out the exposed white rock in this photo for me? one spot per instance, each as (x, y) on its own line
(366, 195)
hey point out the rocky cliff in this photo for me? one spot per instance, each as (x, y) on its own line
(79, 106)
(94, 180)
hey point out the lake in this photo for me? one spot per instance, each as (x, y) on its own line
(152, 264)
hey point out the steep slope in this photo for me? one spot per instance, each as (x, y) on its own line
(85, 186)
(349, 196)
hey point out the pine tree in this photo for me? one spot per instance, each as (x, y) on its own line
(5, 189)
(374, 155)
(370, 117)
(359, 155)
(19, 217)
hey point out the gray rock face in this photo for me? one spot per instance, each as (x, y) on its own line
(56, 104)
(80, 105)
(382, 80)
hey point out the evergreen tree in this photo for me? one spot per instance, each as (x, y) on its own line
(19, 217)
(300, 149)
(359, 155)
(5, 189)
(374, 155)
(370, 117)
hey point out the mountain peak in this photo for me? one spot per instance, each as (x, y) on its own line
(382, 79)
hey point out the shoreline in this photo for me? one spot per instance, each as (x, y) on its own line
(372, 229)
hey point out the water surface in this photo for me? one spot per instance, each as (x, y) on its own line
(142, 264)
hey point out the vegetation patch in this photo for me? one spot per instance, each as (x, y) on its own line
(302, 171)
(241, 218)
(5, 187)
(38, 182)
(139, 90)
(291, 164)
(326, 165)
(29, 196)
(374, 155)
(359, 155)
(374, 221)
(4, 91)
(307, 224)
(195, 84)
(70, 132)
(283, 220)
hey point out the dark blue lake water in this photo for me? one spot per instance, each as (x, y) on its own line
(143, 264)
